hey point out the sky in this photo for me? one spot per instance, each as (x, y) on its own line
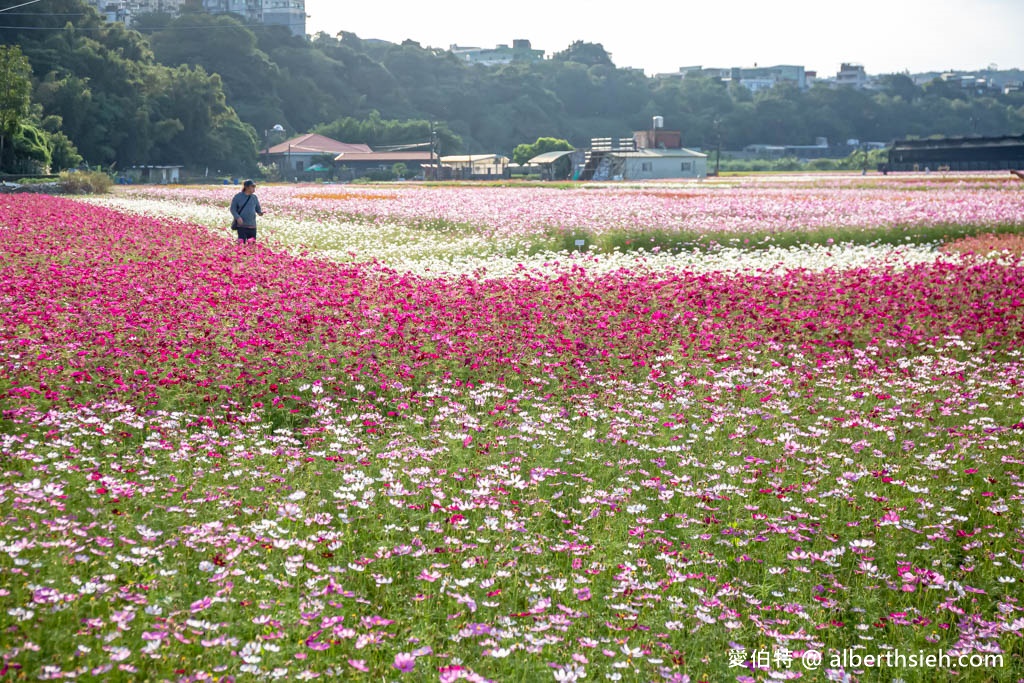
(659, 36)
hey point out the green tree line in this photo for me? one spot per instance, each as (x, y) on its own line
(206, 90)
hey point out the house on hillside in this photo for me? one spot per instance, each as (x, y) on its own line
(521, 51)
(295, 156)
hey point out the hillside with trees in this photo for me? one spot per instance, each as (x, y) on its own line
(207, 91)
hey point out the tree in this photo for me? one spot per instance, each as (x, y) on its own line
(523, 153)
(15, 93)
(591, 54)
(247, 74)
(31, 149)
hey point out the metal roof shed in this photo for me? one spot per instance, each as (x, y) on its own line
(554, 165)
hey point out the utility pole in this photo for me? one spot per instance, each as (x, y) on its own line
(718, 147)
(433, 169)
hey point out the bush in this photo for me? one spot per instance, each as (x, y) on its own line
(378, 175)
(85, 182)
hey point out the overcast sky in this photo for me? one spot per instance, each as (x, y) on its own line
(885, 36)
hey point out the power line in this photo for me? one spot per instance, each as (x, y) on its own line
(30, 2)
(163, 28)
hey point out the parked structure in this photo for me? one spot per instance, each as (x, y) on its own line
(958, 154)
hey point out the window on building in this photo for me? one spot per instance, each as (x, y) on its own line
(299, 165)
(647, 166)
(686, 166)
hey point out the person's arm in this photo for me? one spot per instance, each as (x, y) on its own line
(234, 212)
(1019, 174)
(259, 207)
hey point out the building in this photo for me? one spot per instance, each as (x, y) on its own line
(662, 164)
(294, 157)
(161, 175)
(851, 76)
(958, 154)
(476, 166)
(290, 13)
(247, 9)
(755, 78)
(360, 163)
(557, 165)
(125, 11)
(521, 51)
(653, 154)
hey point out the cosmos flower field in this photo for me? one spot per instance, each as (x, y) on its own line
(420, 433)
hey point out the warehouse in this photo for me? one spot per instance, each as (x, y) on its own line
(958, 154)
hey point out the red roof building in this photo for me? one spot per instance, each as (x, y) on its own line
(301, 152)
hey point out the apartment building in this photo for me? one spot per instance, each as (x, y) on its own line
(290, 13)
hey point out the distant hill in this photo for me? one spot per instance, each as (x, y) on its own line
(201, 89)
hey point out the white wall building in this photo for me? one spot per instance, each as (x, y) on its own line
(290, 13)
(851, 75)
(662, 164)
(125, 11)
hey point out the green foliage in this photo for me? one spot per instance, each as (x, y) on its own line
(15, 90)
(377, 132)
(199, 89)
(115, 105)
(31, 148)
(855, 161)
(270, 172)
(525, 152)
(63, 153)
(671, 241)
(374, 176)
(589, 54)
(85, 182)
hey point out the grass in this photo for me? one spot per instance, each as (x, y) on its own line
(85, 182)
(676, 242)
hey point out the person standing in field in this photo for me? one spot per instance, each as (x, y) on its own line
(245, 206)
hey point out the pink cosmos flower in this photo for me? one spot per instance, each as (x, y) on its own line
(404, 662)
